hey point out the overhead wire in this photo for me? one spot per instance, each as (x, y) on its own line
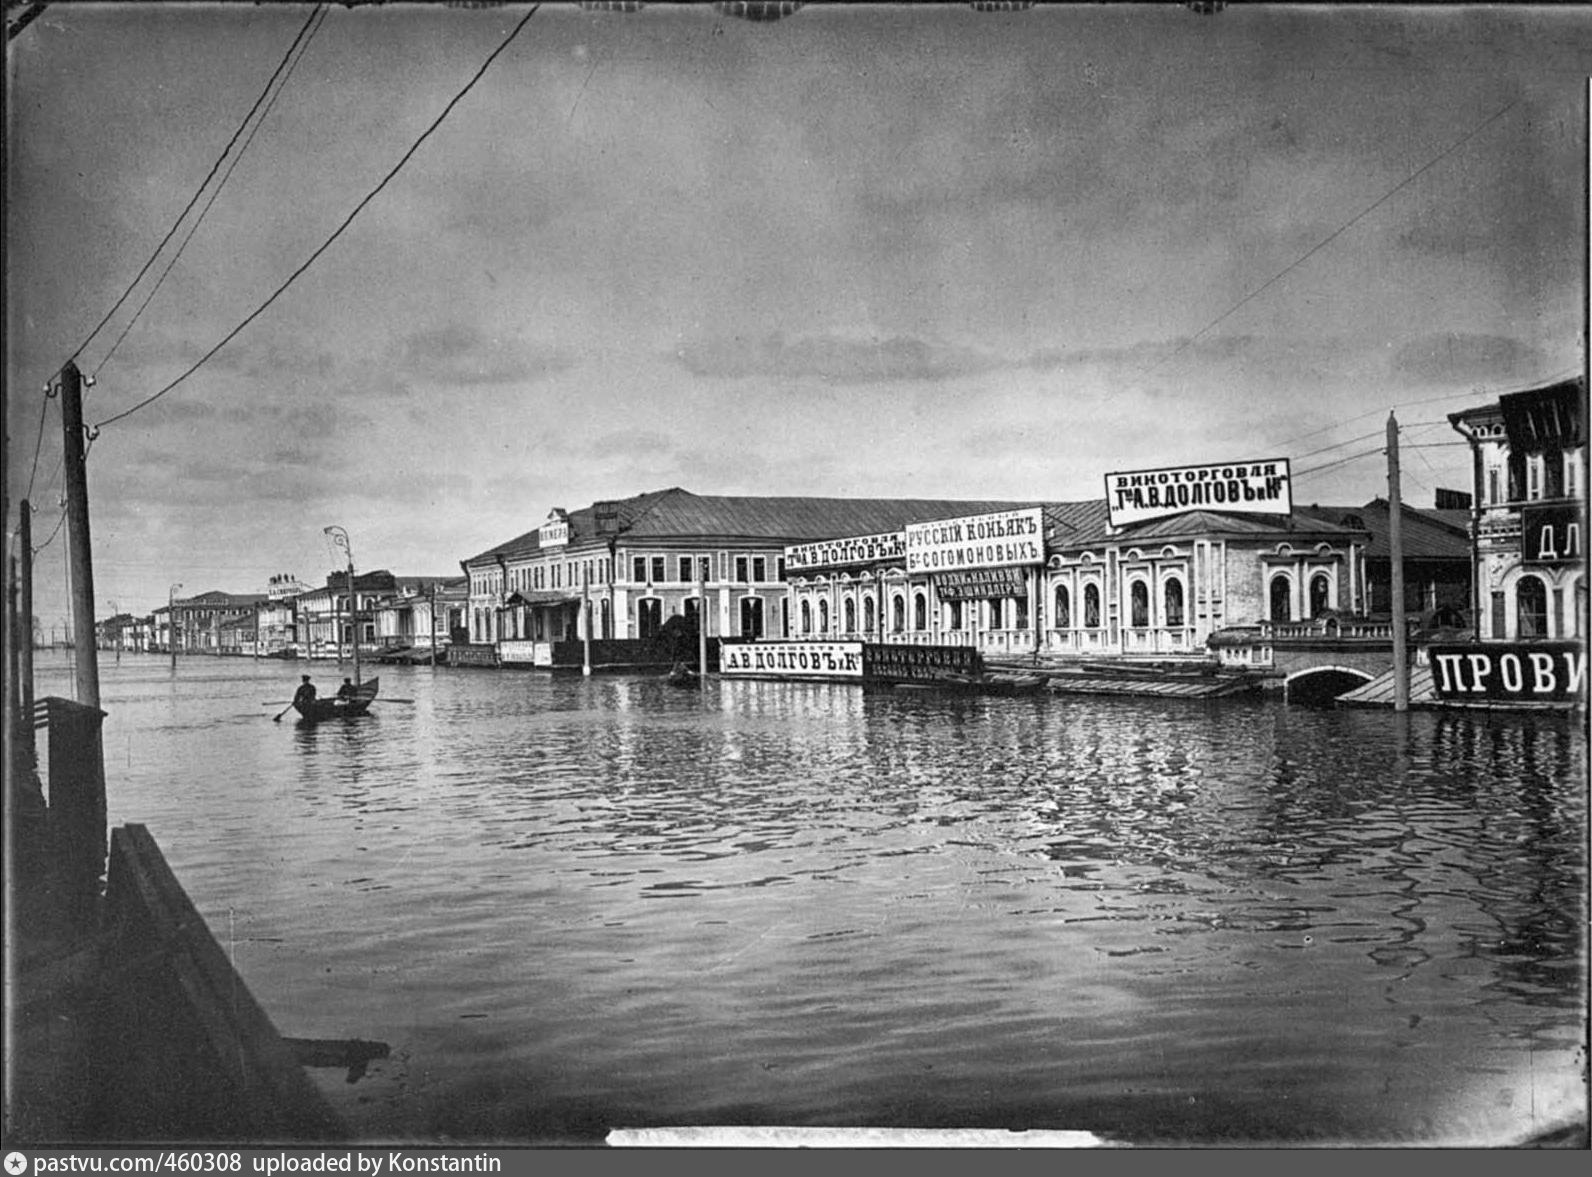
(303, 48)
(38, 444)
(1471, 393)
(1338, 232)
(336, 233)
(194, 199)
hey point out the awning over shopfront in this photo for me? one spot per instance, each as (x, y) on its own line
(542, 598)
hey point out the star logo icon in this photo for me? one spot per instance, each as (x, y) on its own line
(16, 1164)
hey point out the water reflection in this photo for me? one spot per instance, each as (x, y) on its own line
(574, 902)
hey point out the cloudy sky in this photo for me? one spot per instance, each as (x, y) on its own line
(894, 251)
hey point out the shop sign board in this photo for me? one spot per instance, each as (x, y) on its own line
(1553, 535)
(839, 553)
(555, 532)
(1522, 672)
(1261, 487)
(980, 583)
(977, 541)
(840, 660)
(887, 662)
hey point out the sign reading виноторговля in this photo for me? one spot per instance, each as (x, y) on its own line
(1260, 487)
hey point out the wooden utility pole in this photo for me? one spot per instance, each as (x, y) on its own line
(171, 624)
(433, 624)
(585, 620)
(25, 608)
(1395, 539)
(702, 622)
(86, 659)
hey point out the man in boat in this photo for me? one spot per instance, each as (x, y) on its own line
(306, 692)
(347, 690)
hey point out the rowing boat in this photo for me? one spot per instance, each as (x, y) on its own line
(316, 710)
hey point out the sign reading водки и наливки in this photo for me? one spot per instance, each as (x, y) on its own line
(1261, 487)
(977, 541)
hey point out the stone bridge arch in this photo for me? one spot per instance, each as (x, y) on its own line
(1322, 684)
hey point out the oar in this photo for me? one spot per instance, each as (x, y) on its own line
(277, 718)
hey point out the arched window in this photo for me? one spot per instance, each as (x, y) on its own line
(1139, 601)
(1063, 607)
(807, 617)
(851, 615)
(898, 614)
(1172, 598)
(1091, 606)
(920, 612)
(867, 615)
(823, 616)
(1320, 593)
(1531, 608)
(1281, 599)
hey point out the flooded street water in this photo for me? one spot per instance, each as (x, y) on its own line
(573, 904)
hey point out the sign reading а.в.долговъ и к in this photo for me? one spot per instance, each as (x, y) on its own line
(977, 541)
(791, 659)
(839, 553)
(1260, 487)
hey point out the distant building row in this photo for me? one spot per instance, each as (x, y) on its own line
(1168, 560)
(394, 612)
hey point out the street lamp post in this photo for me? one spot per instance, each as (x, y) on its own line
(340, 539)
(171, 623)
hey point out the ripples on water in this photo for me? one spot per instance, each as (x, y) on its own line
(577, 904)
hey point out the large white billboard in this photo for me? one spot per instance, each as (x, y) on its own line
(977, 541)
(1260, 487)
(838, 553)
(791, 659)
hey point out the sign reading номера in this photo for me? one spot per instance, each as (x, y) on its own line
(1260, 487)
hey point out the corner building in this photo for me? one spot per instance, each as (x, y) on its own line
(1528, 521)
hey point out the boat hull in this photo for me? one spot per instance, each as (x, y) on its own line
(321, 710)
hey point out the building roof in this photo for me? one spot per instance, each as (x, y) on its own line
(1426, 534)
(678, 515)
(1194, 524)
(216, 599)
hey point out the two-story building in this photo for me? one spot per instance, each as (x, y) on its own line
(196, 624)
(1529, 518)
(421, 614)
(622, 568)
(328, 621)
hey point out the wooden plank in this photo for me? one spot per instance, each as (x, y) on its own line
(257, 1083)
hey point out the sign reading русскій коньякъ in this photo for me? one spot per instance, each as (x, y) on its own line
(1261, 487)
(977, 541)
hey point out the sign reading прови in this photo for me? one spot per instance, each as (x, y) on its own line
(977, 541)
(1524, 672)
(1251, 488)
(791, 659)
(837, 553)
